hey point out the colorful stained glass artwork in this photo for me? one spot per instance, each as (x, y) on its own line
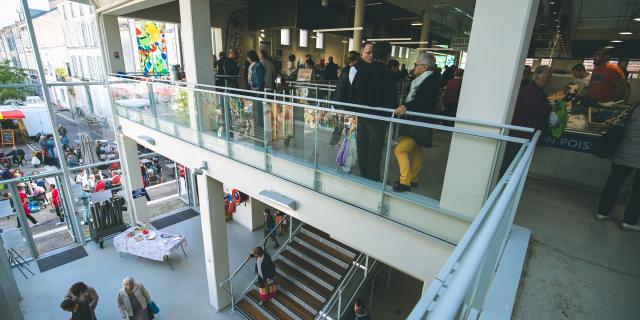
(152, 48)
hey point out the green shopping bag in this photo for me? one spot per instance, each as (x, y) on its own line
(563, 118)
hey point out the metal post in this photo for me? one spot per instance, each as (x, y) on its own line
(153, 104)
(290, 228)
(22, 217)
(339, 303)
(316, 183)
(233, 303)
(47, 97)
(366, 265)
(385, 174)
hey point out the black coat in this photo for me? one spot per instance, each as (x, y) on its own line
(331, 71)
(424, 101)
(267, 266)
(374, 86)
(343, 86)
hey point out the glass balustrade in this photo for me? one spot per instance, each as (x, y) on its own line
(393, 167)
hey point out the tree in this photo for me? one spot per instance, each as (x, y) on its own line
(12, 75)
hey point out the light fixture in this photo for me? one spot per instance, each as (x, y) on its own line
(551, 2)
(609, 47)
(389, 39)
(616, 41)
(636, 19)
(410, 42)
(416, 23)
(555, 12)
(557, 20)
(338, 29)
(625, 33)
(344, 41)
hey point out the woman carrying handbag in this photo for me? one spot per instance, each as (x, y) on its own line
(135, 302)
(266, 270)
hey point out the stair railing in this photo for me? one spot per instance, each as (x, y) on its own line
(262, 243)
(344, 294)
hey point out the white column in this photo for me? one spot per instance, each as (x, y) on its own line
(130, 162)
(214, 238)
(426, 25)
(488, 94)
(358, 21)
(195, 29)
(9, 294)
(112, 43)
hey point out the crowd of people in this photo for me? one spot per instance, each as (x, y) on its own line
(606, 83)
(368, 78)
(133, 301)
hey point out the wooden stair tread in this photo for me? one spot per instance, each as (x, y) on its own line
(326, 248)
(273, 309)
(294, 306)
(318, 257)
(308, 282)
(250, 310)
(301, 293)
(327, 237)
(309, 267)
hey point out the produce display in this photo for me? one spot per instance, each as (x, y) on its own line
(585, 114)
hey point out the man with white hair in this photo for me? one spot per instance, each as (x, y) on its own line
(422, 98)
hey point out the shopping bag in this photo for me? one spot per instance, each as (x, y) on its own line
(342, 154)
(563, 119)
(153, 307)
(264, 293)
(273, 289)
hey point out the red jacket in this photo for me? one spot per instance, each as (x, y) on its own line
(55, 198)
(100, 185)
(23, 200)
(453, 91)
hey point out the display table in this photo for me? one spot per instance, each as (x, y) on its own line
(133, 241)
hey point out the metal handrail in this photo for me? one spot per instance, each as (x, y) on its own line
(456, 129)
(336, 291)
(228, 280)
(458, 281)
(330, 102)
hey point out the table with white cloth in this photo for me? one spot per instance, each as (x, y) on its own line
(158, 248)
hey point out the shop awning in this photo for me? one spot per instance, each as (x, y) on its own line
(11, 114)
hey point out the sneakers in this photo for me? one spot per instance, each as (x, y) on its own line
(602, 217)
(630, 227)
(59, 223)
(398, 187)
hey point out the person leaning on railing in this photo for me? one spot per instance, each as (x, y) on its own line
(422, 97)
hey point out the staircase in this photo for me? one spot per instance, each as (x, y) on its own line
(307, 271)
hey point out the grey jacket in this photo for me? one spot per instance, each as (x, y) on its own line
(269, 74)
(628, 152)
(124, 303)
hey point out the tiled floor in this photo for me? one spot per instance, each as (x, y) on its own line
(105, 269)
(577, 268)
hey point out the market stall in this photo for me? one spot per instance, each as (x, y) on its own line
(567, 157)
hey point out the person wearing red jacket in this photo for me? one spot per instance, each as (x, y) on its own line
(24, 201)
(55, 200)
(100, 184)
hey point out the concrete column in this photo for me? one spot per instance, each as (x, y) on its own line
(195, 29)
(130, 162)
(358, 21)
(214, 238)
(195, 32)
(9, 294)
(488, 94)
(426, 25)
(114, 56)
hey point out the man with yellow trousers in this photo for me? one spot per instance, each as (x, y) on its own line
(422, 98)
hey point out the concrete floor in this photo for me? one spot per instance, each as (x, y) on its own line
(577, 267)
(105, 269)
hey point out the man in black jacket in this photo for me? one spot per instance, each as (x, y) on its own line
(373, 86)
